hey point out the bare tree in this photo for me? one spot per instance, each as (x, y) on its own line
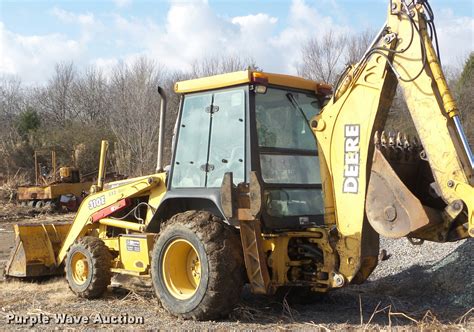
(357, 44)
(14, 151)
(322, 57)
(89, 95)
(134, 117)
(56, 99)
(11, 96)
(214, 64)
(465, 96)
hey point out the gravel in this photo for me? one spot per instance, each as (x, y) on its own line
(432, 276)
(404, 255)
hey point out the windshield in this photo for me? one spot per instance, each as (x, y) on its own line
(288, 152)
(282, 119)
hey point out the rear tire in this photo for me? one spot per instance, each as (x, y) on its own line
(197, 266)
(88, 265)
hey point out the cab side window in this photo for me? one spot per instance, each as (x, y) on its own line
(192, 147)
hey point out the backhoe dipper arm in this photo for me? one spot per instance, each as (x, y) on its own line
(402, 52)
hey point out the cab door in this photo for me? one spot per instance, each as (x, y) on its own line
(211, 139)
(227, 139)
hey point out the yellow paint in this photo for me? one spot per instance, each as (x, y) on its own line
(82, 222)
(280, 263)
(357, 107)
(79, 268)
(122, 224)
(112, 243)
(130, 258)
(52, 191)
(66, 171)
(466, 191)
(363, 101)
(245, 77)
(434, 127)
(35, 244)
(154, 200)
(181, 268)
(103, 154)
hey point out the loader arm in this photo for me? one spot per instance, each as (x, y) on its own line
(94, 203)
(363, 193)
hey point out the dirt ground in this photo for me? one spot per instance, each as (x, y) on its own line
(424, 287)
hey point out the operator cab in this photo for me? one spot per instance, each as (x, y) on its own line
(250, 121)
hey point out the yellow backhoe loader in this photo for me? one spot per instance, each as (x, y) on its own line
(267, 181)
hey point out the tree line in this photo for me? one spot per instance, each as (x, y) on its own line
(75, 109)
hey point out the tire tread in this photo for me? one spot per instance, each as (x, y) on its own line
(101, 261)
(224, 251)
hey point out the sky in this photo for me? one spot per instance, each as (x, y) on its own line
(34, 35)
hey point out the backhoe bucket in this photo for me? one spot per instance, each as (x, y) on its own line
(391, 208)
(35, 251)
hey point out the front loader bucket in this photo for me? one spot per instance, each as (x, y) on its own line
(35, 250)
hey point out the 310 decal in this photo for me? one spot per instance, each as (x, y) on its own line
(96, 202)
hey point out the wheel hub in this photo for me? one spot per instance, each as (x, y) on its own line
(181, 269)
(80, 268)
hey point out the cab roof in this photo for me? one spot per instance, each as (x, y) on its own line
(249, 76)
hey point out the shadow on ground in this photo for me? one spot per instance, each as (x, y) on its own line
(442, 292)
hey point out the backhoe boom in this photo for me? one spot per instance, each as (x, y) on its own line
(366, 190)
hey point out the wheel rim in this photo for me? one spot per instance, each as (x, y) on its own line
(181, 269)
(79, 268)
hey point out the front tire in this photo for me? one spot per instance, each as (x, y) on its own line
(88, 265)
(197, 266)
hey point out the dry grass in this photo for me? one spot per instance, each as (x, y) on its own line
(428, 321)
(291, 319)
(351, 309)
(53, 296)
(8, 189)
(53, 292)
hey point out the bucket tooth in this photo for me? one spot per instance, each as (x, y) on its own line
(406, 142)
(393, 153)
(377, 139)
(404, 146)
(408, 146)
(401, 150)
(398, 140)
(383, 139)
(391, 139)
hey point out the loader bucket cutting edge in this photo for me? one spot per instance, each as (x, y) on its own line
(35, 250)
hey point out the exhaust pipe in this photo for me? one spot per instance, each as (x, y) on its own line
(161, 132)
(104, 146)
